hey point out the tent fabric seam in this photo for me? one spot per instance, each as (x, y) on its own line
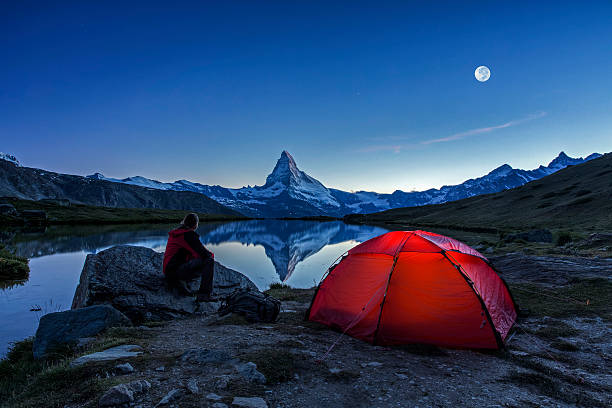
(382, 305)
(470, 283)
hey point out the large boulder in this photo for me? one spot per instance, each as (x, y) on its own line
(130, 278)
(66, 328)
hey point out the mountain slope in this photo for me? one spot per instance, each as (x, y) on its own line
(290, 192)
(579, 196)
(34, 184)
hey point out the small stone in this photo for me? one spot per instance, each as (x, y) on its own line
(219, 405)
(335, 370)
(222, 382)
(252, 402)
(117, 395)
(249, 372)
(172, 396)
(124, 368)
(371, 364)
(160, 368)
(139, 386)
(213, 397)
(192, 386)
(401, 376)
(113, 353)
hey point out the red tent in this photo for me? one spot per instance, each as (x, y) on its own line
(416, 287)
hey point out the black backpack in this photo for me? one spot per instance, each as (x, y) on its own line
(253, 305)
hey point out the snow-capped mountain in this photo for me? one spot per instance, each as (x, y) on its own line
(9, 158)
(290, 192)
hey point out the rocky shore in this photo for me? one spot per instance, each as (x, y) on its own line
(153, 348)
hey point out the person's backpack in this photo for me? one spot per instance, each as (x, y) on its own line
(254, 306)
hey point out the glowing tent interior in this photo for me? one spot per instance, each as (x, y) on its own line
(416, 287)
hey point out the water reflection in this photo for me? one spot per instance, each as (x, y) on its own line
(285, 243)
(267, 251)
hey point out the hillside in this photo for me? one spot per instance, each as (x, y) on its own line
(577, 197)
(35, 184)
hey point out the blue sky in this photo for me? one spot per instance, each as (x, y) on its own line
(365, 95)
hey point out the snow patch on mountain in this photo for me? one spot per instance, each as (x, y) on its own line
(10, 158)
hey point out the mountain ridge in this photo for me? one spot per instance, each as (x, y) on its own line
(572, 198)
(290, 192)
(36, 184)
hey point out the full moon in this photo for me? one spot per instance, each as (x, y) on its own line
(482, 73)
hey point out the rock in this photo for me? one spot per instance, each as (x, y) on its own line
(214, 397)
(192, 386)
(60, 328)
(249, 372)
(113, 353)
(124, 368)
(252, 402)
(371, 364)
(123, 393)
(222, 382)
(536, 235)
(117, 395)
(205, 356)
(130, 279)
(219, 405)
(401, 376)
(160, 368)
(139, 386)
(172, 396)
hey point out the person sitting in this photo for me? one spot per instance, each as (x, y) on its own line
(186, 259)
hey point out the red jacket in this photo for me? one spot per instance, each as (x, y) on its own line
(183, 246)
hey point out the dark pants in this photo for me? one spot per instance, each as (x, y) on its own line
(192, 270)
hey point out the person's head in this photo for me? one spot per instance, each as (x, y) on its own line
(191, 221)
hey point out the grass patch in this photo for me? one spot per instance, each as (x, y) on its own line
(550, 195)
(79, 214)
(284, 292)
(584, 298)
(581, 193)
(12, 267)
(276, 364)
(26, 382)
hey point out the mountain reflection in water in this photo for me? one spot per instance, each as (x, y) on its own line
(286, 243)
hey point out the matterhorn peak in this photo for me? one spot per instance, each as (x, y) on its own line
(285, 170)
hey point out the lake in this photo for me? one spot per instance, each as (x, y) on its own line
(294, 252)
